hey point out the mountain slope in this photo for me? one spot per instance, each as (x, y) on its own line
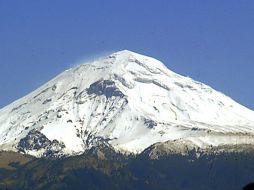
(127, 101)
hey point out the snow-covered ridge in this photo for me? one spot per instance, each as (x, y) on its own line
(126, 100)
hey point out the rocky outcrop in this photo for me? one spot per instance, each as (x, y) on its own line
(36, 141)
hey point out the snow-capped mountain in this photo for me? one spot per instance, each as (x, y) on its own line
(127, 101)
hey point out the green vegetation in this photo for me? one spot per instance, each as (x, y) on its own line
(8, 160)
(97, 170)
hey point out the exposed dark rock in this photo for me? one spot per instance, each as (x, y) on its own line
(106, 88)
(150, 123)
(18, 107)
(42, 92)
(47, 100)
(53, 87)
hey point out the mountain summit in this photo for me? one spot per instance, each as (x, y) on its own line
(126, 101)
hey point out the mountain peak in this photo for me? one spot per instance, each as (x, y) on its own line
(125, 55)
(126, 58)
(124, 52)
(126, 100)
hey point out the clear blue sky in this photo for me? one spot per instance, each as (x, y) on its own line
(209, 40)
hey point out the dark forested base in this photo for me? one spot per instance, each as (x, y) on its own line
(226, 171)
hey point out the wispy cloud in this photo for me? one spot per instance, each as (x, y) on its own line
(91, 57)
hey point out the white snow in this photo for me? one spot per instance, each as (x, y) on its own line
(181, 107)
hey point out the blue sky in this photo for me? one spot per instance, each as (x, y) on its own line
(209, 40)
